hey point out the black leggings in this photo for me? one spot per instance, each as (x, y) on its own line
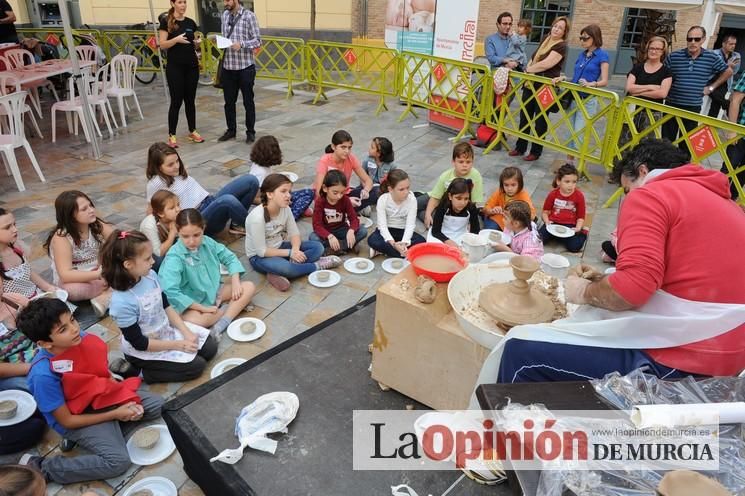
(182, 85)
(160, 371)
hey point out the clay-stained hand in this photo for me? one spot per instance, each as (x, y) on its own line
(586, 271)
(574, 288)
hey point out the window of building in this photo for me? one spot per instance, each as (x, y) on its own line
(635, 24)
(542, 13)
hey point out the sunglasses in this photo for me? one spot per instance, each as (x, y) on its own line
(585, 38)
(693, 38)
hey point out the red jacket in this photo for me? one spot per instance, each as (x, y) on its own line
(681, 233)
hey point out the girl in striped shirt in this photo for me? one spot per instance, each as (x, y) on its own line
(517, 224)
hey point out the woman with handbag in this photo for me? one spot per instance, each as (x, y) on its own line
(547, 61)
(590, 70)
(178, 38)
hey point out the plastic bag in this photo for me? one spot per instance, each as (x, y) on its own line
(269, 413)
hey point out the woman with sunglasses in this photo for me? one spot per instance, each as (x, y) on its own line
(590, 70)
(547, 61)
(650, 80)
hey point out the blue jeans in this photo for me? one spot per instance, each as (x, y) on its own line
(371, 200)
(231, 203)
(490, 224)
(341, 235)
(14, 383)
(578, 121)
(538, 361)
(573, 244)
(283, 266)
(377, 243)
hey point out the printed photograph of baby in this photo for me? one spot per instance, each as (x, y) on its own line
(410, 15)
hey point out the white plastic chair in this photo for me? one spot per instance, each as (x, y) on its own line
(96, 96)
(89, 53)
(13, 106)
(9, 84)
(123, 68)
(19, 57)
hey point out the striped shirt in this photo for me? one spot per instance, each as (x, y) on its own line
(190, 193)
(246, 33)
(739, 86)
(690, 76)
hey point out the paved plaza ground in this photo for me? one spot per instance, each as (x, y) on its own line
(116, 183)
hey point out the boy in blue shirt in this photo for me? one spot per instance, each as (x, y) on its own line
(70, 383)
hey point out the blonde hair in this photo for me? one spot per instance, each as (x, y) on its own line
(652, 40)
(20, 480)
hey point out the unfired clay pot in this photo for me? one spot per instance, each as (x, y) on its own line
(146, 438)
(8, 409)
(248, 327)
(426, 289)
(517, 302)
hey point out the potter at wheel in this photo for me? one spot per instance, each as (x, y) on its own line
(517, 302)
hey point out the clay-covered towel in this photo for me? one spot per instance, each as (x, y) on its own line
(269, 413)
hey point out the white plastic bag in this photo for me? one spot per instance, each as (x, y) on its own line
(269, 413)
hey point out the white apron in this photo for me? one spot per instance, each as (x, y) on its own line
(154, 324)
(665, 321)
(452, 227)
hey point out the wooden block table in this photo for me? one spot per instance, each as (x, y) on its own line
(420, 350)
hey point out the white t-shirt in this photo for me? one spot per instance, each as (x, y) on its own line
(399, 216)
(259, 172)
(149, 227)
(261, 235)
(190, 193)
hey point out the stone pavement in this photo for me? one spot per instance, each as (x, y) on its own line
(116, 184)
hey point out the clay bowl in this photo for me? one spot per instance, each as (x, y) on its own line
(143, 492)
(8, 409)
(248, 327)
(561, 229)
(523, 266)
(323, 276)
(146, 438)
(362, 264)
(397, 264)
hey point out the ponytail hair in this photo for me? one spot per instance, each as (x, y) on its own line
(339, 137)
(333, 178)
(392, 179)
(190, 217)
(172, 26)
(564, 170)
(117, 249)
(520, 211)
(457, 186)
(270, 184)
(158, 204)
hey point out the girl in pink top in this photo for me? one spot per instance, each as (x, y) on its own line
(339, 156)
(517, 224)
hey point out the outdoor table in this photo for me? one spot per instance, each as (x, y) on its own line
(43, 70)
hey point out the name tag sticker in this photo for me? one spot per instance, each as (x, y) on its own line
(62, 366)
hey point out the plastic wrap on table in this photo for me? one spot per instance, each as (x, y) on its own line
(638, 388)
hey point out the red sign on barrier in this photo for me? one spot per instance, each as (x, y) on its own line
(545, 97)
(702, 141)
(151, 42)
(257, 51)
(350, 57)
(439, 72)
(52, 39)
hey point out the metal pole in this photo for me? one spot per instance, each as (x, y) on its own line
(87, 115)
(157, 43)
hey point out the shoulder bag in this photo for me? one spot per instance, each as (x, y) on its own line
(219, 74)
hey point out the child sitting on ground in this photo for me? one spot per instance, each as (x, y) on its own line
(73, 388)
(273, 244)
(378, 164)
(160, 226)
(516, 48)
(154, 337)
(166, 170)
(519, 226)
(462, 168)
(396, 217)
(264, 154)
(190, 277)
(73, 246)
(455, 216)
(565, 206)
(335, 223)
(338, 155)
(511, 188)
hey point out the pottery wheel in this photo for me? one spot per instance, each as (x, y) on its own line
(517, 302)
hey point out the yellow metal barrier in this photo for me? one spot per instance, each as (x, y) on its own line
(534, 98)
(57, 37)
(360, 68)
(639, 119)
(141, 44)
(455, 89)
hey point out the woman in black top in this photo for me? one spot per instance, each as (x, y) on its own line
(177, 37)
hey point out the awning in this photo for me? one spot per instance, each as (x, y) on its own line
(663, 4)
(730, 7)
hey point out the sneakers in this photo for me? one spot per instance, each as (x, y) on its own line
(365, 211)
(280, 283)
(236, 229)
(373, 253)
(172, 141)
(67, 445)
(32, 461)
(195, 137)
(100, 305)
(330, 262)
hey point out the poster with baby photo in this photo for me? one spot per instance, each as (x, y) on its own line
(410, 25)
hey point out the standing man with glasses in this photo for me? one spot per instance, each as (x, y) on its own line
(496, 45)
(239, 69)
(693, 69)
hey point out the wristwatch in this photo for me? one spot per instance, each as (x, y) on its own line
(711, 89)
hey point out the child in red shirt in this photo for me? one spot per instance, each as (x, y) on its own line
(335, 223)
(565, 206)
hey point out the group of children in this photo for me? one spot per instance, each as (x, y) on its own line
(172, 317)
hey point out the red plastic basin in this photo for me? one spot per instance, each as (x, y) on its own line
(440, 249)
